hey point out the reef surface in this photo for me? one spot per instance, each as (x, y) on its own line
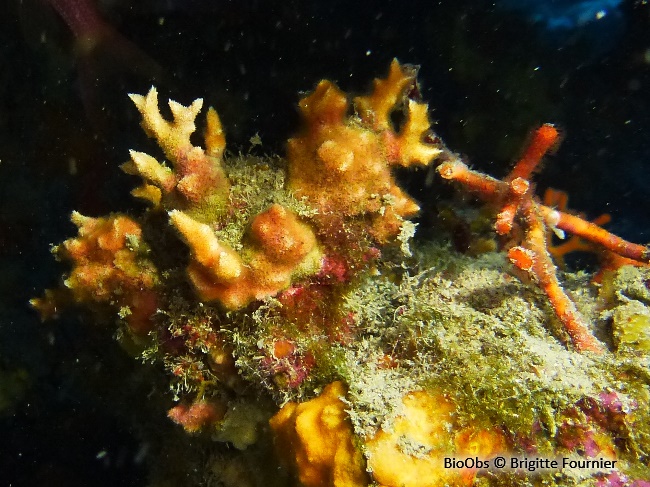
(302, 324)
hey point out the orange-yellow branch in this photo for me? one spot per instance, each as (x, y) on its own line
(517, 188)
(592, 232)
(545, 273)
(543, 140)
(484, 186)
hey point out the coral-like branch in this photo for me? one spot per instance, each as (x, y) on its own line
(283, 247)
(342, 164)
(109, 268)
(197, 182)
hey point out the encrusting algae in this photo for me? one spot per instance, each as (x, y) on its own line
(298, 319)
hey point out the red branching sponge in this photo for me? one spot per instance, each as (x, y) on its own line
(519, 208)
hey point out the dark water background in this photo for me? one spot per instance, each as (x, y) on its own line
(490, 73)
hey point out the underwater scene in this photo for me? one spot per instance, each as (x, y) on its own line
(325, 244)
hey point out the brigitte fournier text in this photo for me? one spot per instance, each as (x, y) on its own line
(529, 464)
